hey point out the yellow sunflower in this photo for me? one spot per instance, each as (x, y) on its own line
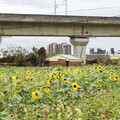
(17, 73)
(90, 68)
(75, 70)
(65, 80)
(28, 72)
(27, 78)
(111, 73)
(49, 81)
(81, 70)
(96, 83)
(56, 72)
(2, 76)
(75, 86)
(47, 90)
(15, 78)
(69, 69)
(36, 95)
(116, 77)
(97, 72)
(51, 76)
(43, 83)
(15, 84)
(99, 67)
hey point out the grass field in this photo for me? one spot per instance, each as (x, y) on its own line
(60, 93)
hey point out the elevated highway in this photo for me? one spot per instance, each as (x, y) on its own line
(53, 25)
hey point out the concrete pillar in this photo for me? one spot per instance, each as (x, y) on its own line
(0, 40)
(79, 45)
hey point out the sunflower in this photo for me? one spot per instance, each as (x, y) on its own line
(17, 73)
(51, 76)
(65, 80)
(47, 90)
(15, 78)
(28, 72)
(96, 72)
(81, 70)
(36, 95)
(57, 77)
(111, 73)
(49, 81)
(2, 76)
(69, 69)
(99, 67)
(75, 70)
(96, 83)
(43, 83)
(75, 86)
(90, 68)
(15, 84)
(116, 77)
(27, 78)
(56, 72)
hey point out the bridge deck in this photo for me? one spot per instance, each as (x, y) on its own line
(58, 19)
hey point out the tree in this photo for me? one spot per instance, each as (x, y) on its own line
(16, 49)
(42, 56)
(20, 59)
(35, 50)
(32, 57)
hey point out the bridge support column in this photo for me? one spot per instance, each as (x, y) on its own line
(79, 45)
(0, 40)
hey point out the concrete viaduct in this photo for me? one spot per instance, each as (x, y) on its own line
(78, 28)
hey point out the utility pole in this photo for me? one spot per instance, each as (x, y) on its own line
(0, 40)
(55, 7)
(66, 7)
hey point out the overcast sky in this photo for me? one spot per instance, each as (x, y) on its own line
(74, 7)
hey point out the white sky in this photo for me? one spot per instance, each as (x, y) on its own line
(75, 7)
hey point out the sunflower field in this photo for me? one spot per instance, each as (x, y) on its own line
(60, 93)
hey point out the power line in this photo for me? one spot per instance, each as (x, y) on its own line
(90, 9)
(64, 2)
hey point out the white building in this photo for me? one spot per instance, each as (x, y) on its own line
(1, 55)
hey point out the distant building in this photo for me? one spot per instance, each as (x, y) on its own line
(91, 51)
(62, 48)
(98, 52)
(112, 51)
(93, 57)
(68, 49)
(52, 48)
(5, 52)
(118, 52)
(64, 60)
(1, 55)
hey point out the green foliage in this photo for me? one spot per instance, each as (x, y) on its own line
(37, 57)
(102, 61)
(96, 97)
(20, 59)
(42, 56)
(32, 57)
